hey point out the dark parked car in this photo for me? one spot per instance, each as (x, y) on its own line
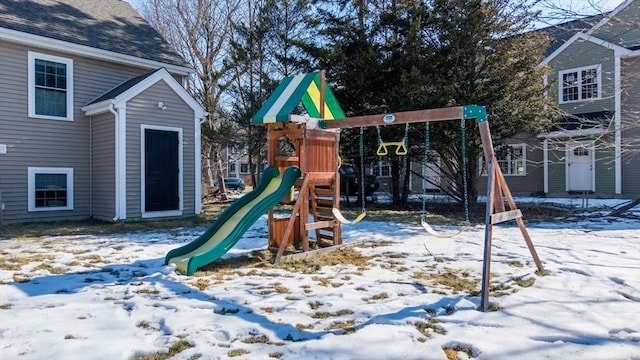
(350, 181)
(231, 183)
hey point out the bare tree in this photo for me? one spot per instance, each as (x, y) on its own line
(200, 31)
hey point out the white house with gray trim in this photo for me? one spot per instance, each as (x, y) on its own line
(94, 118)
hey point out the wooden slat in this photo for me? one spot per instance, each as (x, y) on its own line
(430, 115)
(287, 158)
(505, 216)
(325, 237)
(325, 218)
(325, 202)
(324, 192)
(321, 178)
(326, 250)
(318, 225)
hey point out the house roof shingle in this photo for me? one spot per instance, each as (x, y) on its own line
(562, 32)
(113, 93)
(111, 25)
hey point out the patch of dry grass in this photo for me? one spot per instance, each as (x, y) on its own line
(52, 270)
(237, 352)
(452, 352)
(175, 349)
(430, 327)
(325, 314)
(16, 262)
(524, 281)
(201, 283)
(347, 326)
(380, 296)
(302, 327)
(455, 280)
(261, 339)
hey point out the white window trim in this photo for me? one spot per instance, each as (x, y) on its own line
(33, 56)
(31, 185)
(524, 161)
(164, 213)
(578, 70)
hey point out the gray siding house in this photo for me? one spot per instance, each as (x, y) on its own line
(94, 119)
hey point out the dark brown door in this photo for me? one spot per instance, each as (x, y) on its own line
(161, 170)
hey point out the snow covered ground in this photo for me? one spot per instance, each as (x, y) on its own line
(111, 297)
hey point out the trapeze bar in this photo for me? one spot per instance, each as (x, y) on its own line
(401, 148)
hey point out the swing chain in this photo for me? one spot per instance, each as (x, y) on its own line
(463, 137)
(362, 174)
(425, 163)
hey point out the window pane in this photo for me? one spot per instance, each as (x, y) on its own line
(511, 159)
(50, 91)
(51, 102)
(51, 190)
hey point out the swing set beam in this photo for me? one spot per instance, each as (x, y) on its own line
(408, 117)
(497, 188)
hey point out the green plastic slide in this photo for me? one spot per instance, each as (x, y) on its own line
(234, 221)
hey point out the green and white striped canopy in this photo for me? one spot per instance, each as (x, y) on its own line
(292, 90)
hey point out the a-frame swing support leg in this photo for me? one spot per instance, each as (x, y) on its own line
(497, 189)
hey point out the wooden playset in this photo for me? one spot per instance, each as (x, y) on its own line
(315, 141)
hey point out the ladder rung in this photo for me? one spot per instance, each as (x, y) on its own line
(323, 191)
(319, 225)
(325, 237)
(324, 201)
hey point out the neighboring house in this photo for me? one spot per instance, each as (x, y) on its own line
(94, 119)
(237, 163)
(594, 78)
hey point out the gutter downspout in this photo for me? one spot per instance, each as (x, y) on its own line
(117, 167)
(198, 162)
(618, 124)
(91, 166)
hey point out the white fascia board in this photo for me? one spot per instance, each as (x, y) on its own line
(619, 50)
(87, 51)
(97, 108)
(164, 75)
(121, 100)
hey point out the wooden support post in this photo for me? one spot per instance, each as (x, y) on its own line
(488, 229)
(337, 230)
(519, 221)
(292, 220)
(497, 189)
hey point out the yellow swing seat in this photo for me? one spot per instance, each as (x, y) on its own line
(338, 215)
(433, 232)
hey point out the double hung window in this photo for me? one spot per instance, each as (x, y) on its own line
(50, 87)
(580, 84)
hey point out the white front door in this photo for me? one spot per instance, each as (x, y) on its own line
(580, 166)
